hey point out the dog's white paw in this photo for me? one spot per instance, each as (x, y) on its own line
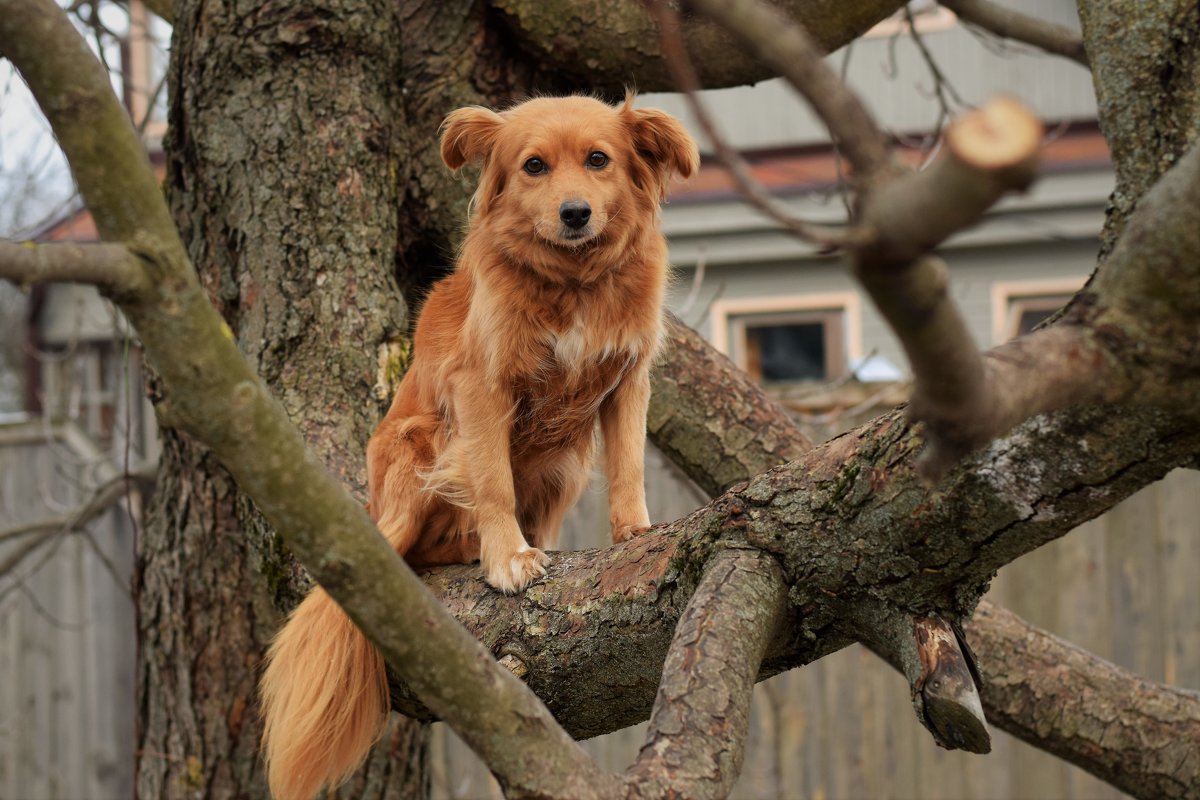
(623, 533)
(513, 574)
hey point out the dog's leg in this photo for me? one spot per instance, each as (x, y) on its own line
(483, 415)
(555, 488)
(623, 425)
(396, 455)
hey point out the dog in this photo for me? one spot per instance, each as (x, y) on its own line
(548, 324)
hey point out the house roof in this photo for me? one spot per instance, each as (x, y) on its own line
(1074, 146)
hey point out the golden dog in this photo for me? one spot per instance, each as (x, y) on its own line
(549, 322)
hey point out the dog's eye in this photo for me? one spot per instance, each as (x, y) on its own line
(597, 160)
(535, 166)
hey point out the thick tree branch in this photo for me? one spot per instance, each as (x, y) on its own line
(607, 44)
(852, 525)
(109, 266)
(941, 674)
(713, 420)
(1139, 736)
(695, 742)
(108, 161)
(696, 372)
(988, 153)
(213, 395)
(1009, 24)
(1147, 296)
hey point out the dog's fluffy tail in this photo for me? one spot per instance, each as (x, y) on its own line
(325, 700)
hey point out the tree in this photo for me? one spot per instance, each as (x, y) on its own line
(308, 209)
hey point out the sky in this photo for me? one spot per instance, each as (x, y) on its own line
(34, 179)
(35, 183)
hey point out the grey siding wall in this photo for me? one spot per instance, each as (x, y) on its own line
(893, 78)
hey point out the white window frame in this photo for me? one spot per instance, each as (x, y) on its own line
(1007, 294)
(724, 313)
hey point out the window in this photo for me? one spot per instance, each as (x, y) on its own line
(1018, 307)
(788, 340)
(782, 348)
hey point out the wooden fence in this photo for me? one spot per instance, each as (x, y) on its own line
(67, 636)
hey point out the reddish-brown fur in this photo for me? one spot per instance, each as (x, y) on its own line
(542, 330)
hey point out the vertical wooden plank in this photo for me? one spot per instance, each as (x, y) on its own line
(1084, 613)
(1134, 578)
(759, 756)
(903, 738)
(65, 602)
(1084, 618)
(1179, 554)
(846, 717)
(779, 766)
(875, 744)
(8, 664)
(1033, 594)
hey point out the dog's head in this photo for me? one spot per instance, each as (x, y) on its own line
(569, 173)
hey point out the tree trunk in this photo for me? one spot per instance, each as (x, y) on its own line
(286, 137)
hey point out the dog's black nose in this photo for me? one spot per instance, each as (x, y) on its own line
(575, 213)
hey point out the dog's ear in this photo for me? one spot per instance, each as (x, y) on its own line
(468, 135)
(663, 142)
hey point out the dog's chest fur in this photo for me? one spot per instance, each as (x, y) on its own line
(582, 341)
(577, 367)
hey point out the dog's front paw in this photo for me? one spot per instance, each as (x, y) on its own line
(623, 533)
(513, 574)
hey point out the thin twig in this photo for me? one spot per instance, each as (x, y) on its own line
(943, 91)
(18, 555)
(151, 101)
(18, 583)
(29, 528)
(697, 283)
(44, 613)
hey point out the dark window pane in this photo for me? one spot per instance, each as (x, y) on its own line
(794, 352)
(1032, 318)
